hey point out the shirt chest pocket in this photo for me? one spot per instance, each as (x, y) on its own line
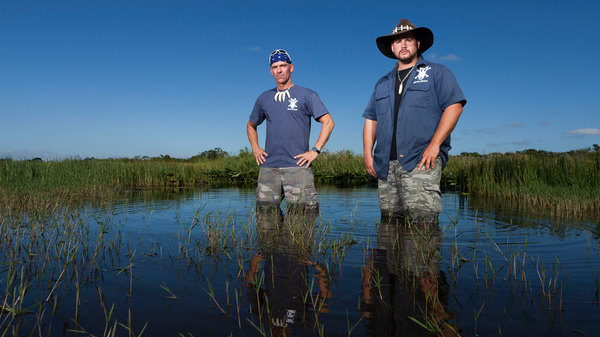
(382, 103)
(418, 95)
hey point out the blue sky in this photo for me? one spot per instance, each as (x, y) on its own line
(133, 78)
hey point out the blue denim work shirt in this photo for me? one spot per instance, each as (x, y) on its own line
(431, 89)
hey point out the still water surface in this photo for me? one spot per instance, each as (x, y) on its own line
(497, 272)
(194, 263)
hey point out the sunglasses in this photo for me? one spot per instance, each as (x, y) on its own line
(279, 51)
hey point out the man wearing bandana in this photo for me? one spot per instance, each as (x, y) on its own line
(285, 162)
(411, 114)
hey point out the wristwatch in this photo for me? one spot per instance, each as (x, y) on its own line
(316, 150)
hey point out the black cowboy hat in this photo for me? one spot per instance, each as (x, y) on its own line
(424, 35)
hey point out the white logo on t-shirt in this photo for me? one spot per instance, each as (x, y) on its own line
(422, 74)
(293, 104)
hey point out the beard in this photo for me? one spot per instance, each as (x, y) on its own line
(407, 58)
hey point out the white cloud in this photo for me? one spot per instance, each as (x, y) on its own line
(485, 130)
(449, 57)
(480, 130)
(518, 142)
(585, 132)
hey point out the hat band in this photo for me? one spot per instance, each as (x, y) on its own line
(402, 28)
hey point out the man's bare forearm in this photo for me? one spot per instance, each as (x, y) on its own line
(259, 154)
(306, 158)
(447, 124)
(326, 129)
(369, 136)
(252, 134)
(444, 129)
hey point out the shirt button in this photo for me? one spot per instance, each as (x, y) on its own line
(401, 156)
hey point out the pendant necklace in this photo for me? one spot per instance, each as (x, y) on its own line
(401, 80)
(280, 95)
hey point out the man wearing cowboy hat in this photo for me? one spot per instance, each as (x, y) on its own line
(411, 113)
(285, 162)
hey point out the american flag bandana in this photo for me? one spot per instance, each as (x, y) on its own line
(280, 55)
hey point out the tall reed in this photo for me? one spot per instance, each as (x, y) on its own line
(564, 183)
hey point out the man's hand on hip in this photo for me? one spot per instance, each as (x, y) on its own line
(429, 157)
(306, 158)
(260, 155)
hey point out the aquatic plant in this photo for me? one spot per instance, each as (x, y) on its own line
(559, 183)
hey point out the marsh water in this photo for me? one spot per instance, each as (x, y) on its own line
(200, 263)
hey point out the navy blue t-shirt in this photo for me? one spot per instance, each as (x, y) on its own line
(288, 123)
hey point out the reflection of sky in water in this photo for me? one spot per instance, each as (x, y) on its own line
(355, 211)
(569, 247)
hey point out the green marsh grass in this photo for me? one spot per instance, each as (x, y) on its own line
(46, 186)
(561, 184)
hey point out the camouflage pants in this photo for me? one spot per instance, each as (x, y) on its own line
(415, 195)
(296, 184)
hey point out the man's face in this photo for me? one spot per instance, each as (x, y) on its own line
(406, 48)
(281, 71)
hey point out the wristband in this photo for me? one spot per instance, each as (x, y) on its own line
(316, 150)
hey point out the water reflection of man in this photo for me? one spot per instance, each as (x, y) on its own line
(281, 293)
(402, 282)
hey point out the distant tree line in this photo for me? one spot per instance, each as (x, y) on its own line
(217, 153)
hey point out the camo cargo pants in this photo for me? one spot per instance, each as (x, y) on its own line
(415, 195)
(296, 184)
